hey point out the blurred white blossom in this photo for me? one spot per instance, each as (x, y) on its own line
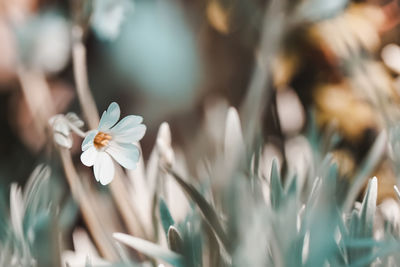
(108, 16)
(62, 126)
(290, 111)
(84, 251)
(391, 57)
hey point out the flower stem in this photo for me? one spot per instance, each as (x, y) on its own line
(81, 79)
(77, 130)
(125, 207)
(92, 221)
(118, 188)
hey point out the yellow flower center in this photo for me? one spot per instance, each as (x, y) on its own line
(101, 140)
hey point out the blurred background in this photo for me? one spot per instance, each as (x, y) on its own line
(286, 66)
(168, 61)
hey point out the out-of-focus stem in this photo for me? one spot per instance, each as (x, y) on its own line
(81, 79)
(259, 90)
(38, 98)
(125, 207)
(118, 189)
(89, 215)
(37, 93)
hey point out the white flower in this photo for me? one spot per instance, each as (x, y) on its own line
(62, 126)
(112, 141)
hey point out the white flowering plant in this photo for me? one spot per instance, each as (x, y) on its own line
(231, 196)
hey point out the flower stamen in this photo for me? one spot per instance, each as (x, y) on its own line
(101, 140)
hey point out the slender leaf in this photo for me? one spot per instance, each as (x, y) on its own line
(369, 164)
(368, 208)
(277, 193)
(208, 212)
(150, 249)
(166, 219)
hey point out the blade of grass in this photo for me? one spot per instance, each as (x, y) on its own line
(369, 164)
(277, 193)
(207, 211)
(166, 219)
(150, 249)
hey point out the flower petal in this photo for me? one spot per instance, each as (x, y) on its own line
(129, 135)
(62, 140)
(88, 141)
(89, 156)
(125, 154)
(74, 119)
(109, 117)
(61, 126)
(127, 123)
(103, 168)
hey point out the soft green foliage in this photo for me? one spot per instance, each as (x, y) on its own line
(259, 221)
(282, 220)
(243, 209)
(36, 218)
(166, 219)
(150, 249)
